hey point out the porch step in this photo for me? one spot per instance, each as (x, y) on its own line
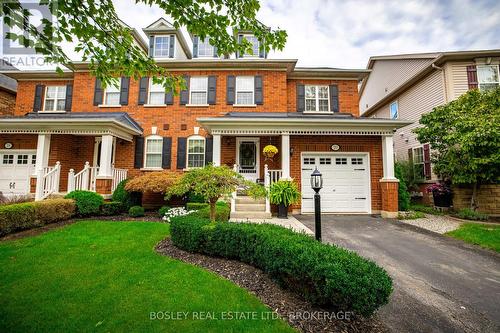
(250, 215)
(249, 200)
(250, 207)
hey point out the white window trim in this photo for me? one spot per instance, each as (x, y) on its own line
(104, 97)
(198, 51)
(195, 137)
(192, 90)
(317, 99)
(168, 48)
(245, 55)
(151, 137)
(496, 67)
(397, 109)
(418, 163)
(236, 92)
(150, 90)
(55, 100)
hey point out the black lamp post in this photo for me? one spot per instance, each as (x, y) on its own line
(317, 184)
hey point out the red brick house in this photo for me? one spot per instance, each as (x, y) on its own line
(233, 107)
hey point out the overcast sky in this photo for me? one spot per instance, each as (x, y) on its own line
(346, 33)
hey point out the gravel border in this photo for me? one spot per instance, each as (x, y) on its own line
(298, 313)
(436, 223)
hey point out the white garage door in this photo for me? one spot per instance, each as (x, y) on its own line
(346, 183)
(15, 169)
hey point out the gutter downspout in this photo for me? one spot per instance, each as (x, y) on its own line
(433, 65)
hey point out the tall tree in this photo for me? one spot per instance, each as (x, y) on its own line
(103, 40)
(465, 139)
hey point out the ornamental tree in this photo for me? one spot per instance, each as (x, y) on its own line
(107, 43)
(465, 139)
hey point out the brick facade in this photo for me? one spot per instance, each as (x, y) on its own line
(7, 102)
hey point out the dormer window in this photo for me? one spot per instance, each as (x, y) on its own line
(162, 47)
(255, 45)
(204, 48)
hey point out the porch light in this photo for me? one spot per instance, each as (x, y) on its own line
(316, 180)
(317, 184)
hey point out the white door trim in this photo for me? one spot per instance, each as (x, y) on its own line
(328, 153)
(257, 146)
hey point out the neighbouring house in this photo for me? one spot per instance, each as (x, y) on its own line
(409, 85)
(8, 89)
(68, 132)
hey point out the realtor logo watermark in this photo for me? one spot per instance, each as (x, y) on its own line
(249, 315)
(12, 52)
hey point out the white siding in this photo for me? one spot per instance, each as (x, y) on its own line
(386, 76)
(456, 79)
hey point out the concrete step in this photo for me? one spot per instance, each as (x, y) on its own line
(243, 216)
(249, 200)
(250, 207)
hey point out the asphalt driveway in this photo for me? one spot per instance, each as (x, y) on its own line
(440, 284)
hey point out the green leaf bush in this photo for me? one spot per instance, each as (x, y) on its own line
(128, 199)
(222, 211)
(403, 193)
(136, 211)
(87, 203)
(469, 214)
(323, 274)
(196, 205)
(163, 210)
(109, 208)
(29, 215)
(284, 192)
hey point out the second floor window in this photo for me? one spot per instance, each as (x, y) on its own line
(204, 48)
(255, 45)
(488, 77)
(112, 94)
(244, 90)
(161, 47)
(317, 99)
(154, 146)
(55, 98)
(394, 108)
(198, 90)
(156, 93)
(196, 152)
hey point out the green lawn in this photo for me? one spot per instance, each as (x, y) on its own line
(485, 235)
(106, 277)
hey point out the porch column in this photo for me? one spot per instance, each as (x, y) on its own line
(42, 151)
(285, 155)
(105, 167)
(388, 157)
(388, 184)
(216, 149)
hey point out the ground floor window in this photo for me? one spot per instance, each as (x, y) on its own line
(418, 163)
(154, 146)
(196, 152)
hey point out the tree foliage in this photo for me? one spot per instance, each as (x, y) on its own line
(156, 182)
(465, 138)
(108, 44)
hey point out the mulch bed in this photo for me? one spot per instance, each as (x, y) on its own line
(298, 313)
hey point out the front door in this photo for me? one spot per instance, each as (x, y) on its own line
(248, 158)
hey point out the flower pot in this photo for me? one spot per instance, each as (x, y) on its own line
(442, 200)
(282, 211)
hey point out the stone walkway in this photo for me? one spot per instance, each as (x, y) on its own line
(291, 223)
(436, 223)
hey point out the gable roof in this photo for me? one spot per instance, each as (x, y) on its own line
(162, 26)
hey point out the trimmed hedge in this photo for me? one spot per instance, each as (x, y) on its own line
(109, 208)
(87, 203)
(29, 215)
(196, 205)
(222, 211)
(136, 211)
(323, 274)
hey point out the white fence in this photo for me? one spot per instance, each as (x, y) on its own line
(47, 181)
(86, 179)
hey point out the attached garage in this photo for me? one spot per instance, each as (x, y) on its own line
(346, 182)
(15, 169)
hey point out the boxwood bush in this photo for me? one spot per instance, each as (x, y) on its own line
(163, 210)
(109, 208)
(87, 203)
(28, 215)
(323, 274)
(136, 211)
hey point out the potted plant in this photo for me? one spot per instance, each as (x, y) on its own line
(284, 193)
(269, 151)
(441, 193)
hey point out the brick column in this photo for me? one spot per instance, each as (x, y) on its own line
(103, 185)
(389, 193)
(32, 184)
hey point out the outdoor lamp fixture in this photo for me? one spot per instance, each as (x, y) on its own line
(316, 185)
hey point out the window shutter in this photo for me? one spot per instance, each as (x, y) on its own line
(258, 91)
(209, 148)
(240, 39)
(151, 46)
(334, 98)
(69, 97)
(166, 153)
(195, 47)
(169, 98)
(139, 152)
(212, 89)
(37, 104)
(231, 89)
(124, 90)
(171, 46)
(181, 153)
(184, 96)
(472, 77)
(410, 161)
(143, 90)
(98, 92)
(301, 98)
(427, 161)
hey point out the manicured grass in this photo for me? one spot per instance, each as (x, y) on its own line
(485, 235)
(106, 277)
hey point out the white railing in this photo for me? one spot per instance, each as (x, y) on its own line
(233, 195)
(93, 171)
(267, 185)
(47, 181)
(118, 176)
(274, 175)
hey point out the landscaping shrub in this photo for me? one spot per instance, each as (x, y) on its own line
(222, 211)
(469, 214)
(162, 211)
(323, 274)
(33, 214)
(109, 208)
(193, 197)
(14, 199)
(196, 205)
(174, 212)
(128, 199)
(156, 182)
(87, 203)
(136, 211)
(403, 194)
(425, 209)
(410, 215)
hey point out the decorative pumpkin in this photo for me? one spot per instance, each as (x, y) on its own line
(269, 151)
